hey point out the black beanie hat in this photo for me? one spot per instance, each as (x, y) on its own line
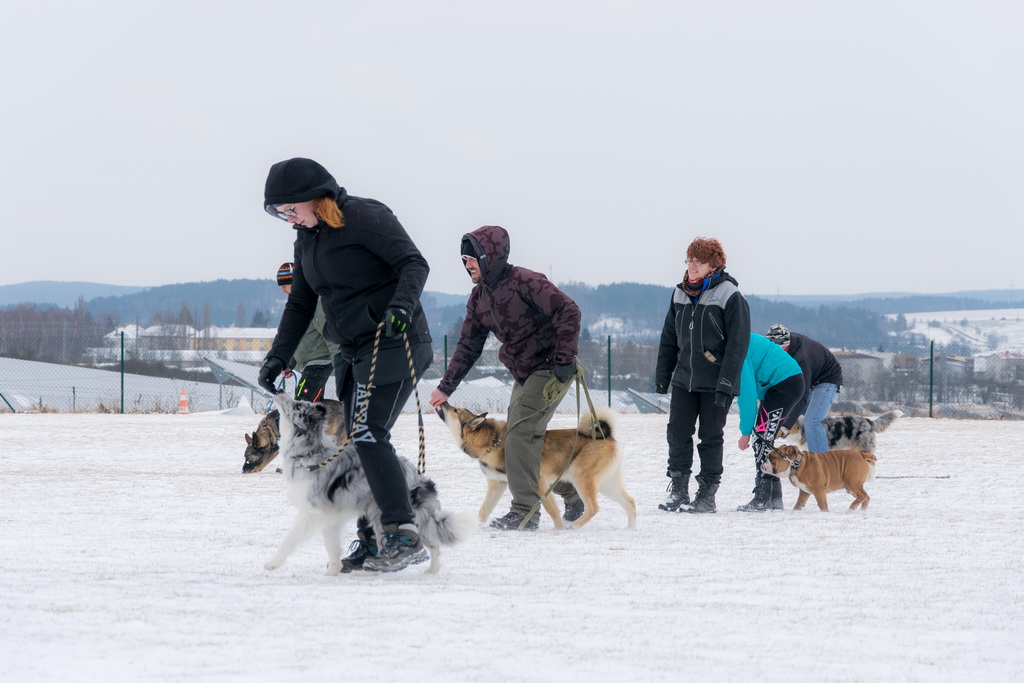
(297, 180)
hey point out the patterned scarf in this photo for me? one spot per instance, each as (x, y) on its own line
(695, 289)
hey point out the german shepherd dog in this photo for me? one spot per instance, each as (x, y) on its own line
(261, 447)
(849, 432)
(594, 465)
(337, 492)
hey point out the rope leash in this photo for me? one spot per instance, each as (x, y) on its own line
(421, 465)
(421, 461)
(363, 407)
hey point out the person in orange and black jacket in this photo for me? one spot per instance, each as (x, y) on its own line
(703, 344)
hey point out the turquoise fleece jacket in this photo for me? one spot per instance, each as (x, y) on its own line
(766, 365)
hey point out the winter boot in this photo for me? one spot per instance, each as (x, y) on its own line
(678, 493)
(573, 510)
(399, 548)
(762, 495)
(514, 520)
(363, 547)
(776, 501)
(704, 501)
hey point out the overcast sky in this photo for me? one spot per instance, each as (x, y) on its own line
(833, 147)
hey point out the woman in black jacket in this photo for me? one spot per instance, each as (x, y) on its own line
(354, 256)
(703, 344)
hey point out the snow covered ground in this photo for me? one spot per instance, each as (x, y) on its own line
(132, 550)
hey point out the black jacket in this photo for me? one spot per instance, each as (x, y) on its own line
(819, 366)
(358, 270)
(703, 345)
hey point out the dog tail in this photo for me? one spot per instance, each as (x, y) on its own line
(872, 461)
(605, 421)
(882, 422)
(437, 525)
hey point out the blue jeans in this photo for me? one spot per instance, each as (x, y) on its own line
(819, 401)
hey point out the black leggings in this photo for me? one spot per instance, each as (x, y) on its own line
(372, 439)
(778, 402)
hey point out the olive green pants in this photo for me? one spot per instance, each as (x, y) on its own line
(528, 417)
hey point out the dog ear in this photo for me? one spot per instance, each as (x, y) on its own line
(248, 439)
(477, 421)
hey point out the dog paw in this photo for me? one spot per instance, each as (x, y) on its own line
(271, 565)
(333, 569)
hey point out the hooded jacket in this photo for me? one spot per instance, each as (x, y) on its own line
(537, 324)
(704, 342)
(357, 270)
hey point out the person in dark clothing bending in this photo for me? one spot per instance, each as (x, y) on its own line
(354, 256)
(823, 377)
(703, 344)
(539, 327)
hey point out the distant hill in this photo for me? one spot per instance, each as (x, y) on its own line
(626, 311)
(907, 302)
(61, 294)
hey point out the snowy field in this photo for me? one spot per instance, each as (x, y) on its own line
(133, 549)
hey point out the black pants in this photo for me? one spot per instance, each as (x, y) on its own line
(687, 409)
(776, 406)
(372, 438)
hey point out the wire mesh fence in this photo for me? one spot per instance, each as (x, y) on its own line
(59, 372)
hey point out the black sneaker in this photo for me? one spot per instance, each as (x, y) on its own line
(573, 510)
(357, 554)
(399, 548)
(512, 522)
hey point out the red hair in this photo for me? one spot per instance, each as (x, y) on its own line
(707, 249)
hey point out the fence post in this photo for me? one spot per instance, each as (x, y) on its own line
(122, 372)
(609, 371)
(445, 353)
(931, 377)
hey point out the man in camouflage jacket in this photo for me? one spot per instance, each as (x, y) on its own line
(538, 326)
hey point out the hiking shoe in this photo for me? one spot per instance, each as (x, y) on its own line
(513, 520)
(399, 548)
(357, 554)
(573, 510)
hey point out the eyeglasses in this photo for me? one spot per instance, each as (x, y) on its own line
(696, 262)
(467, 259)
(283, 215)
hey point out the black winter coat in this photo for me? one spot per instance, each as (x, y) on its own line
(358, 270)
(819, 366)
(703, 345)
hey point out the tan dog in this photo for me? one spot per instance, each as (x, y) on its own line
(818, 474)
(596, 465)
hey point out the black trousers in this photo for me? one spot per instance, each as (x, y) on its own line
(775, 407)
(372, 438)
(688, 410)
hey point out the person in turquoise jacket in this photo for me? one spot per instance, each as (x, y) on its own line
(771, 385)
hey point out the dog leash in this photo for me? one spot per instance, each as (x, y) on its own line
(421, 465)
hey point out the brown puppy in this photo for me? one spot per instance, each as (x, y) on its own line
(818, 474)
(596, 464)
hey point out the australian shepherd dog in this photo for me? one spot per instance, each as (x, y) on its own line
(330, 495)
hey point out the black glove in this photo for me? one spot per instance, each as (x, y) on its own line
(395, 321)
(565, 371)
(722, 399)
(271, 370)
(661, 388)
